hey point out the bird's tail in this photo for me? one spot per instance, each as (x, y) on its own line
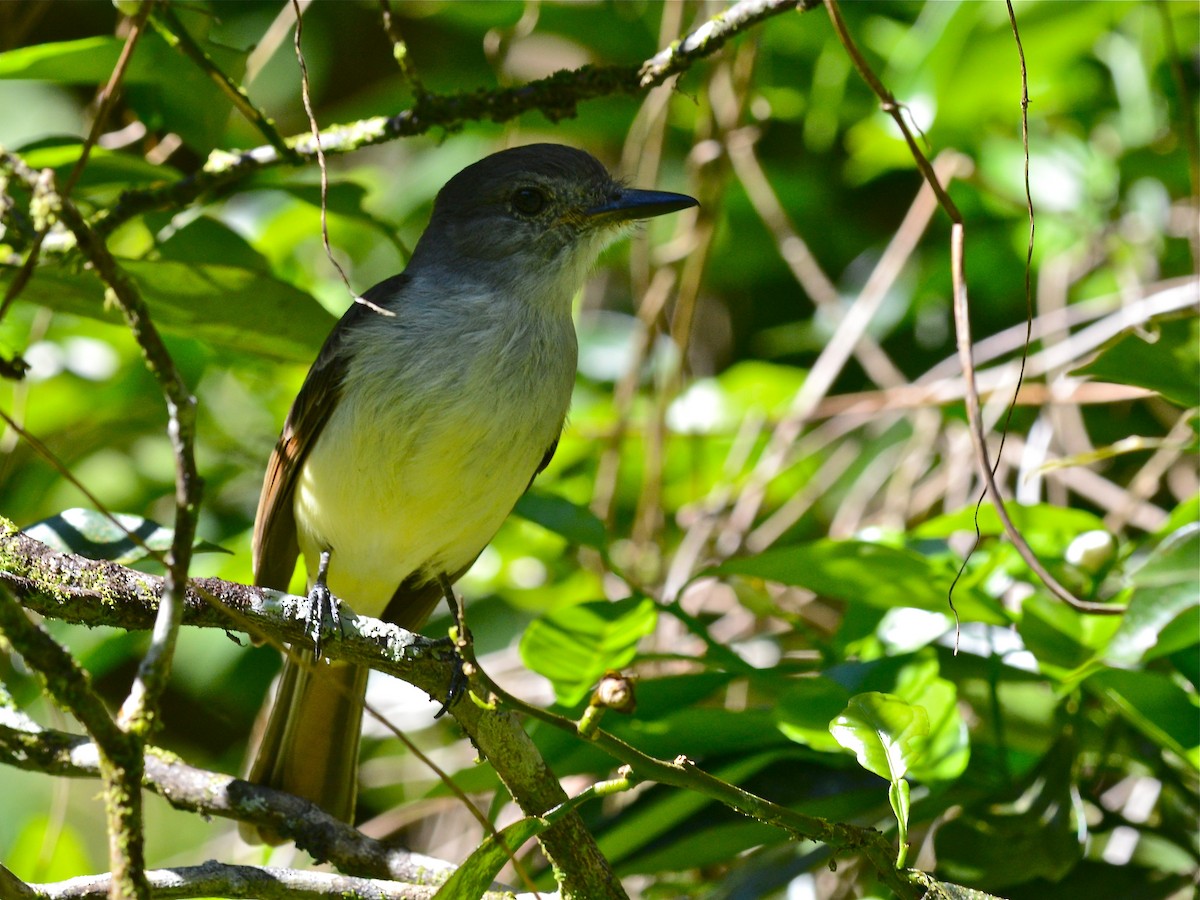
(309, 746)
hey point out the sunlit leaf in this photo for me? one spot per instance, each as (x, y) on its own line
(1163, 603)
(205, 239)
(860, 572)
(1162, 358)
(888, 736)
(238, 308)
(884, 732)
(576, 645)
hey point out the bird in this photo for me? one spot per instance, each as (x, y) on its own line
(427, 413)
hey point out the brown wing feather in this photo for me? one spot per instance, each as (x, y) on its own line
(275, 545)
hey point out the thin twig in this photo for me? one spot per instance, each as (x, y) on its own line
(306, 94)
(175, 33)
(961, 322)
(400, 48)
(962, 568)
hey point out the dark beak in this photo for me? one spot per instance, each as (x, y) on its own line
(634, 204)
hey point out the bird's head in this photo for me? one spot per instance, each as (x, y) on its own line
(537, 215)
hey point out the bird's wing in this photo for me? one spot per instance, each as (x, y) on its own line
(275, 544)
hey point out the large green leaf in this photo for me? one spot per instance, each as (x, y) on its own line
(803, 713)
(204, 239)
(576, 645)
(1155, 705)
(944, 753)
(575, 523)
(241, 309)
(167, 89)
(103, 166)
(1062, 638)
(1162, 605)
(1167, 362)
(875, 574)
(917, 681)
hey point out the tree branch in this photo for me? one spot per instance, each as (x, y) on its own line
(118, 754)
(26, 745)
(95, 593)
(214, 879)
(555, 96)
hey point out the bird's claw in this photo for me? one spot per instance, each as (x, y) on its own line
(324, 615)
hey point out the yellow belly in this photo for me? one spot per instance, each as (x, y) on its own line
(394, 488)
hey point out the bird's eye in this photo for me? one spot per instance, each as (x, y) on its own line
(528, 201)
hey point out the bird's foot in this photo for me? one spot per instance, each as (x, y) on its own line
(324, 609)
(460, 639)
(458, 684)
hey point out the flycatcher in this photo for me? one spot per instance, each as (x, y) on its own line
(427, 413)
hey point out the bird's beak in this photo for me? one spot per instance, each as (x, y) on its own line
(634, 204)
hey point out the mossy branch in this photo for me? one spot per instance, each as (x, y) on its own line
(100, 593)
(556, 97)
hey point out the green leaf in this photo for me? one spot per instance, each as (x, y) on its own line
(1168, 362)
(85, 61)
(1155, 705)
(477, 872)
(94, 535)
(804, 711)
(1162, 605)
(228, 306)
(122, 170)
(916, 680)
(205, 239)
(875, 574)
(945, 752)
(1187, 512)
(167, 89)
(887, 735)
(1062, 638)
(575, 646)
(554, 513)
(883, 731)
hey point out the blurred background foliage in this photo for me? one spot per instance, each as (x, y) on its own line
(1062, 749)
